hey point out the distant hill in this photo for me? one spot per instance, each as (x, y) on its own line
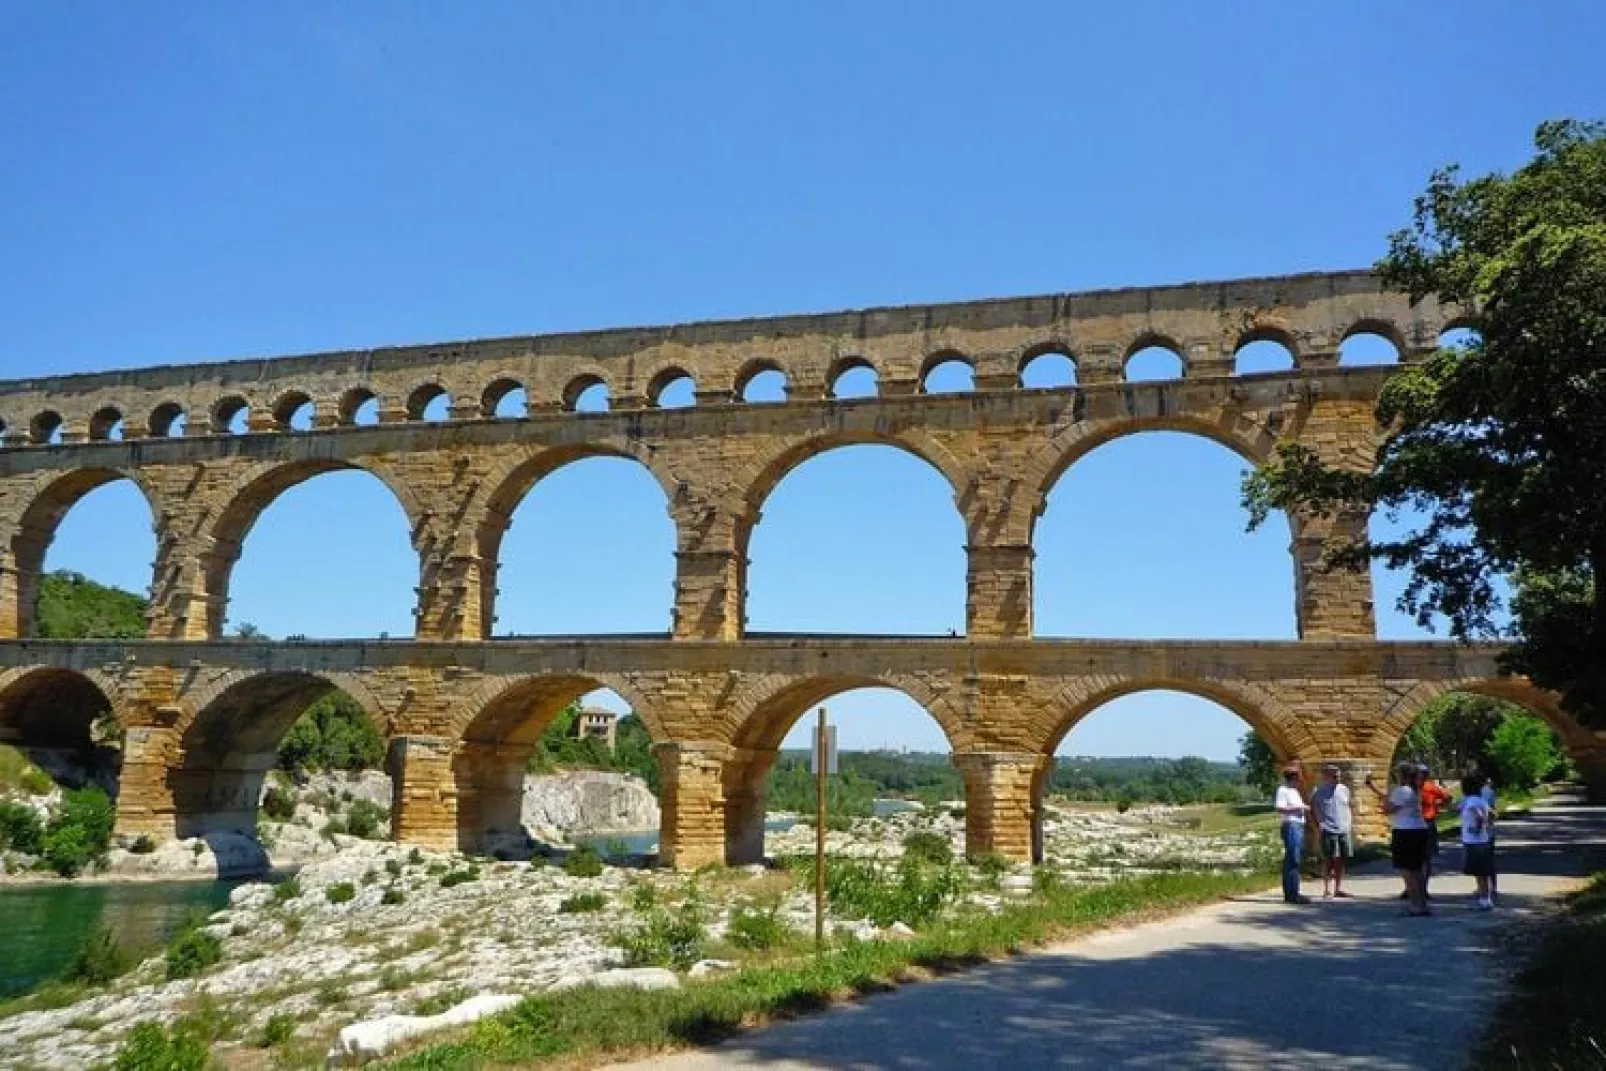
(73, 607)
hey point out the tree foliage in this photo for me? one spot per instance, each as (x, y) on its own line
(561, 748)
(1500, 445)
(1522, 752)
(73, 607)
(1259, 763)
(334, 734)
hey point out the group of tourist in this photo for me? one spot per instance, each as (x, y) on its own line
(1413, 807)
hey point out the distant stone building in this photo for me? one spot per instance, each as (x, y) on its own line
(596, 722)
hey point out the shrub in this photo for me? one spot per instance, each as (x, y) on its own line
(365, 819)
(445, 1000)
(457, 877)
(667, 940)
(583, 862)
(99, 959)
(912, 892)
(758, 928)
(192, 952)
(279, 804)
(415, 857)
(393, 867)
(80, 833)
(927, 847)
(150, 1047)
(392, 897)
(20, 828)
(992, 866)
(287, 890)
(143, 844)
(642, 896)
(341, 892)
(279, 1029)
(582, 903)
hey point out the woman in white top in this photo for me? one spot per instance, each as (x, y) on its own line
(1408, 836)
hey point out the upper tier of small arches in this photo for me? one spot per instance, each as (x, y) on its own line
(1350, 321)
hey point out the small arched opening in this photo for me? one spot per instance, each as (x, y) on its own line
(294, 411)
(506, 399)
(761, 381)
(854, 377)
(46, 428)
(947, 372)
(1048, 368)
(430, 403)
(359, 407)
(672, 388)
(231, 416)
(1154, 361)
(587, 394)
(1262, 352)
(168, 420)
(106, 425)
(1368, 344)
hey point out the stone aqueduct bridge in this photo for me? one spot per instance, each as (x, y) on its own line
(202, 715)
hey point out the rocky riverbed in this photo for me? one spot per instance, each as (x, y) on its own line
(376, 929)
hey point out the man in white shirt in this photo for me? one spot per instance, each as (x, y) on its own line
(1292, 814)
(1330, 806)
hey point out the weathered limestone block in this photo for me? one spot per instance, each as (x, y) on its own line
(692, 803)
(424, 808)
(1001, 808)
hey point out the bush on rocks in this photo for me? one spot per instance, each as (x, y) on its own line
(460, 876)
(151, 1047)
(365, 819)
(758, 928)
(666, 939)
(583, 862)
(928, 847)
(582, 903)
(341, 893)
(392, 897)
(192, 952)
(80, 832)
(20, 828)
(279, 1028)
(279, 804)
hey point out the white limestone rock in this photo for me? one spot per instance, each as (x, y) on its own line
(362, 1042)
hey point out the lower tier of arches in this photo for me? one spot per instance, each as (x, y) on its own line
(197, 725)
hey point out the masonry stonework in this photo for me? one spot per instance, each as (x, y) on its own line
(212, 446)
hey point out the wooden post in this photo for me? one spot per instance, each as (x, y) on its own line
(819, 832)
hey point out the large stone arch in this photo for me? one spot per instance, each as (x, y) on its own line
(493, 734)
(761, 713)
(228, 736)
(251, 496)
(53, 716)
(510, 481)
(1285, 731)
(1239, 432)
(28, 524)
(1546, 705)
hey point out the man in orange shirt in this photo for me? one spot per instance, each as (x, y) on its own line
(1434, 798)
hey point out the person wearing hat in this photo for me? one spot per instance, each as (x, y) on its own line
(1292, 814)
(1408, 837)
(1330, 804)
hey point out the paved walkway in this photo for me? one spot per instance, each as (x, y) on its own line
(1252, 983)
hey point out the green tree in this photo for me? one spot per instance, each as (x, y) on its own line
(73, 607)
(335, 733)
(1259, 763)
(1499, 444)
(1452, 733)
(1522, 752)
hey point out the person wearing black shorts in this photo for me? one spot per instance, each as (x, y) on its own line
(1408, 837)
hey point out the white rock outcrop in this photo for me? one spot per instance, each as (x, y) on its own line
(361, 1042)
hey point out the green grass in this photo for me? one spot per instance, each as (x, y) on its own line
(588, 1021)
(1556, 1014)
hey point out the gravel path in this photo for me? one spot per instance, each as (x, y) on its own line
(1252, 983)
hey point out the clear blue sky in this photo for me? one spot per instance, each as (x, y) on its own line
(184, 182)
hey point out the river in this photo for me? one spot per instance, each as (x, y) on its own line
(41, 926)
